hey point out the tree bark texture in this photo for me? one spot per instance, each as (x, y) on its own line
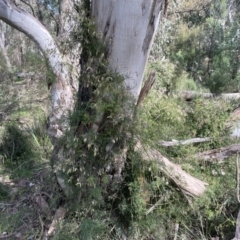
(128, 29)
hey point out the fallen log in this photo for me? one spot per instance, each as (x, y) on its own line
(218, 154)
(190, 95)
(183, 142)
(182, 179)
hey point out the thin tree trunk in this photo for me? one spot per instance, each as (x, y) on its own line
(5, 54)
(237, 231)
(4, 49)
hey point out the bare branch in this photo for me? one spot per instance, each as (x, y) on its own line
(218, 154)
(183, 142)
(146, 88)
(182, 179)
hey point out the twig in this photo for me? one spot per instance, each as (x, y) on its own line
(153, 207)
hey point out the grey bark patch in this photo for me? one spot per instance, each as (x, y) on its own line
(144, 6)
(155, 9)
(107, 26)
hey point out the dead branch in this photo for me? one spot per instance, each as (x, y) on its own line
(146, 88)
(182, 179)
(218, 154)
(190, 95)
(58, 217)
(183, 142)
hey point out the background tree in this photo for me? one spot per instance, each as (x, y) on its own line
(206, 44)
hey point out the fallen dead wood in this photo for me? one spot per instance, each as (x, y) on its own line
(58, 217)
(218, 154)
(146, 88)
(182, 179)
(183, 142)
(190, 95)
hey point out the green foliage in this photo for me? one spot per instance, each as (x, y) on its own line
(169, 77)
(162, 118)
(146, 204)
(205, 45)
(208, 118)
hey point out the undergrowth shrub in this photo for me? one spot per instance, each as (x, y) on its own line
(163, 118)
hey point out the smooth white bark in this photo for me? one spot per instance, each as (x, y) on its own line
(128, 28)
(4, 52)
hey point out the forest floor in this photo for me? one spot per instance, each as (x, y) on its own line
(27, 204)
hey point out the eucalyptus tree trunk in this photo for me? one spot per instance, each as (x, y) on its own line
(127, 28)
